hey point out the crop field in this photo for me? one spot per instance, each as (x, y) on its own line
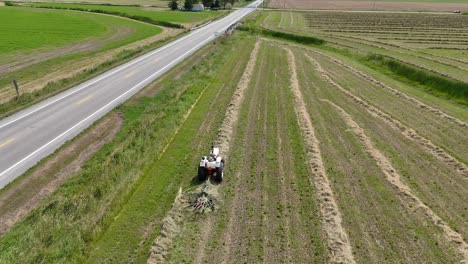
(328, 159)
(379, 5)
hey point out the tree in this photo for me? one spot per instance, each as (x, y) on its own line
(173, 5)
(207, 3)
(232, 2)
(224, 3)
(216, 4)
(188, 5)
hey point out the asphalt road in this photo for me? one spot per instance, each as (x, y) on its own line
(34, 133)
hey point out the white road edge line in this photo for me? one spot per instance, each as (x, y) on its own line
(111, 102)
(112, 72)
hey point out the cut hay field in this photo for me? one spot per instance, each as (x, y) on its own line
(327, 166)
(329, 159)
(379, 5)
(429, 42)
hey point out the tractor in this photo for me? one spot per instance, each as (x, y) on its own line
(211, 167)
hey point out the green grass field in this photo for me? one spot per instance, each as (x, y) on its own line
(37, 28)
(159, 3)
(155, 14)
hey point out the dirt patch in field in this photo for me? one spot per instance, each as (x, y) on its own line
(413, 202)
(174, 218)
(16, 202)
(2, 4)
(77, 66)
(337, 239)
(408, 132)
(368, 5)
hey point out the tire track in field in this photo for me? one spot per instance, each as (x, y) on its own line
(404, 191)
(408, 132)
(396, 92)
(337, 239)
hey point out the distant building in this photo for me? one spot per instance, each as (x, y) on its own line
(198, 7)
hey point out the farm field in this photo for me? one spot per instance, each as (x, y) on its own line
(314, 140)
(156, 14)
(158, 3)
(435, 43)
(379, 5)
(328, 159)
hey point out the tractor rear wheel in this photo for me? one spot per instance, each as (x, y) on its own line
(202, 174)
(219, 174)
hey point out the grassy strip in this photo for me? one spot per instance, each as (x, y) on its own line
(307, 40)
(452, 89)
(98, 10)
(53, 88)
(63, 228)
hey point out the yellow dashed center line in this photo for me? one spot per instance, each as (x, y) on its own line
(84, 100)
(6, 143)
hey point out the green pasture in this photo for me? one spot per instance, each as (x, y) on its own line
(23, 29)
(162, 3)
(26, 29)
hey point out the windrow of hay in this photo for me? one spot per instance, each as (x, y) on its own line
(403, 190)
(175, 217)
(409, 133)
(397, 93)
(337, 239)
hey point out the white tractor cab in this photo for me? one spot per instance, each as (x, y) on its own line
(211, 166)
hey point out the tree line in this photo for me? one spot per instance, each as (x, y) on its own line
(188, 4)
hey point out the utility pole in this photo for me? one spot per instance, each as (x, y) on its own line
(15, 84)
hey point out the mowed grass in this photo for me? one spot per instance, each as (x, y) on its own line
(152, 13)
(409, 44)
(26, 30)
